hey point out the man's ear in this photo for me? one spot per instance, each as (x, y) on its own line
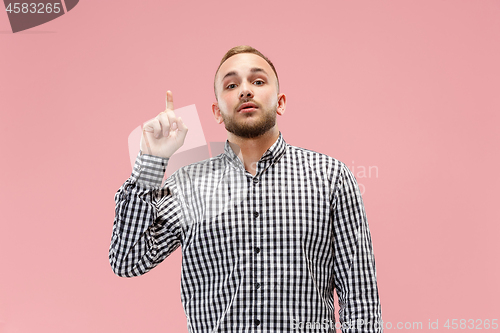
(281, 104)
(216, 111)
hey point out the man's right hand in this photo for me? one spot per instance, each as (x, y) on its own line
(163, 135)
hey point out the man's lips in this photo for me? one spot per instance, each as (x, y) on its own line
(247, 107)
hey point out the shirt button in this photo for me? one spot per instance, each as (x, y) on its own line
(255, 180)
(257, 249)
(257, 285)
(256, 214)
(257, 322)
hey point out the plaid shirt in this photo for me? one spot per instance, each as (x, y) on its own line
(260, 253)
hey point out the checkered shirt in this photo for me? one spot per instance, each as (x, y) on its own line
(260, 253)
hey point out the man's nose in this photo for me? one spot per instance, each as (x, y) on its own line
(246, 92)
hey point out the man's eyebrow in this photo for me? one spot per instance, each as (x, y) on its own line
(232, 73)
(257, 70)
(253, 70)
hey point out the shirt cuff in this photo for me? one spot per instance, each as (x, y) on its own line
(149, 169)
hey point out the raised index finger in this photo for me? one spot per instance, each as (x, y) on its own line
(170, 101)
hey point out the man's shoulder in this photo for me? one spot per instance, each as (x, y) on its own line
(322, 165)
(313, 157)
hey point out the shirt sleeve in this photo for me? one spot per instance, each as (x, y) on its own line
(146, 228)
(354, 265)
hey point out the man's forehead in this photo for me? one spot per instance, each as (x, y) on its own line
(244, 63)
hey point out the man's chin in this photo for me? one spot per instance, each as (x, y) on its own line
(249, 132)
(250, 127)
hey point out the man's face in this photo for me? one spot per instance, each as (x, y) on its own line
(247, 96)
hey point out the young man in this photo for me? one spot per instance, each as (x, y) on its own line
(267, 230)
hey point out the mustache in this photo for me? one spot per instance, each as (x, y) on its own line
(247, 100)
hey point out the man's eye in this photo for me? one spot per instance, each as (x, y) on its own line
(259, 82)
(231, 86)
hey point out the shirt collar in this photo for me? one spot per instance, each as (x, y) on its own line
(272, 154)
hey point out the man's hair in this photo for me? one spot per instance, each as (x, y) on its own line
(244, 49)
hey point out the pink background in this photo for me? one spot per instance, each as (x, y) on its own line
(410, 88)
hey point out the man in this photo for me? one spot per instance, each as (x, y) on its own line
(267, 230)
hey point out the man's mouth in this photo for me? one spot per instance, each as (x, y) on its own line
(247, 107)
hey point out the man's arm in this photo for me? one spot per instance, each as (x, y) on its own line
(144, 233)
(354, 270)
(148, 219)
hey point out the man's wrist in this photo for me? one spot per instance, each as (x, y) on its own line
(149, 170)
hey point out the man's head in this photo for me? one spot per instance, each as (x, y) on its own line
(244, 49)
(247, 92)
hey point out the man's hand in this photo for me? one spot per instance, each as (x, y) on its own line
(165, 134)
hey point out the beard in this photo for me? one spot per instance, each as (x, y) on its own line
(266, 121)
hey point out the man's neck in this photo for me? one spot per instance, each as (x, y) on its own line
(249, 151)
